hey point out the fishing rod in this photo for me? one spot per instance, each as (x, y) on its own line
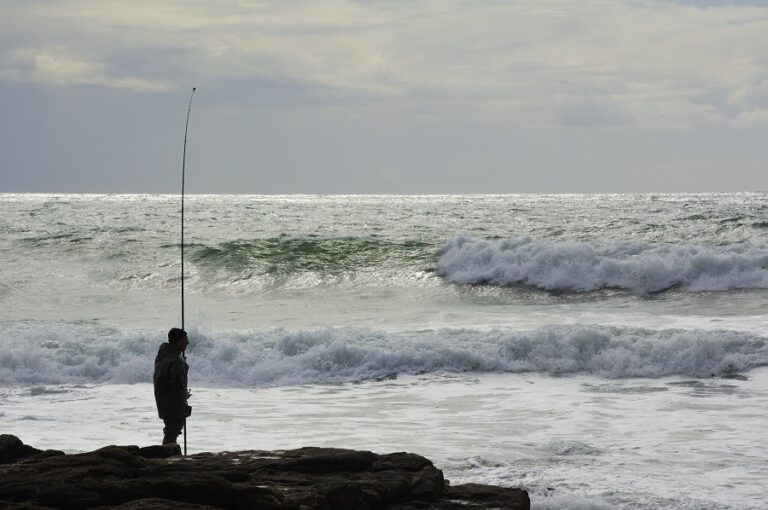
(183, 172)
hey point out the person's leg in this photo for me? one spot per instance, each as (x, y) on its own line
(172, 430)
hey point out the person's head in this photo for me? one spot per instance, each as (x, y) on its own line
(178, 337)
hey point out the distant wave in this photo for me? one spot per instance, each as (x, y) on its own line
(287, 255)
(581, 267)
(239, 259)
(38, 355)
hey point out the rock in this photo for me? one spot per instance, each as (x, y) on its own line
(12, 449)
(160, 451)
(157, 477)
(162, 504)
(486, 496)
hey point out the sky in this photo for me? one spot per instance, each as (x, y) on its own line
(388, 96)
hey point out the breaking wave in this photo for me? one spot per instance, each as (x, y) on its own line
(39, 355)
(581, 267)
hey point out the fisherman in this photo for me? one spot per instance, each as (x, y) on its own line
(170, 380)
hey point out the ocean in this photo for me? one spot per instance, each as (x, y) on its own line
(599, 351)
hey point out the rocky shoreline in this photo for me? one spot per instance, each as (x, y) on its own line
(158, 477)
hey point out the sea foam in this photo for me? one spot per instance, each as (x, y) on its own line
(581, 267)
(39, 355)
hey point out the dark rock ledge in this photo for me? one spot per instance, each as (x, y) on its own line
(157, 477)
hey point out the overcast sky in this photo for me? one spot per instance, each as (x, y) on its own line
(389, 96)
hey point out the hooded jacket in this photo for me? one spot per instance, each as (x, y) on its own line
(171, 383)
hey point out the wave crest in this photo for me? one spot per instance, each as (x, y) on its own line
(38, 355)
(581, 267)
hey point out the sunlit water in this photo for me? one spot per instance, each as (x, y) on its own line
(598, 351)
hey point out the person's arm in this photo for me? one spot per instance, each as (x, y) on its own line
(178, 380)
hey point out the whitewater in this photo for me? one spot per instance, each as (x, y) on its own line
(600, 351)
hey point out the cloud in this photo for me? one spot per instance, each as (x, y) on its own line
(592, 111)
(756, 117)
(56, 67)
(648, 63)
